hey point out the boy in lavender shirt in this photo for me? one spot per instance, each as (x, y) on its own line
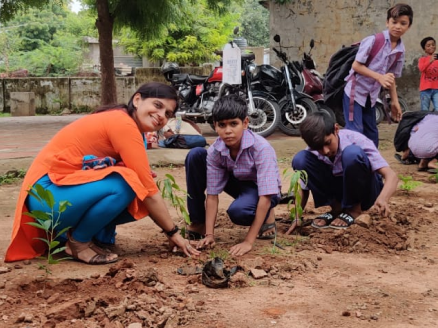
(242, 164)
(364, 82)
(345, 172)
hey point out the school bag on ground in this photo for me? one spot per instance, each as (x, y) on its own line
(338, 69)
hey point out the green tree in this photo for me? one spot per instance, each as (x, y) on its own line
(254, 20)
(50, 41)
(9, 44)
(148, 18)
(189, 41)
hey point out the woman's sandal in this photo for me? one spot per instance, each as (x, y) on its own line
(326, 217)
(88, 252)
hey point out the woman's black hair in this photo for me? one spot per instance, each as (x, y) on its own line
(147, 90)
(315, 128)
(229, 107)
(425, 40)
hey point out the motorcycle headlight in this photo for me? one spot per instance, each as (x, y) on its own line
(253, 69)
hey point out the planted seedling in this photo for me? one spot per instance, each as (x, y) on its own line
(48, 222)
(408, 184)
(171, 191)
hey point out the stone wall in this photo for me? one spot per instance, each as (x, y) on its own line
(333, 23)
(79, 93)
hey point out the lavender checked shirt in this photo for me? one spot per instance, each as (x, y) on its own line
(382, 63)
(424, 137)
(347, 138)
(256, 161)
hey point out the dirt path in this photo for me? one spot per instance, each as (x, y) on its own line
(381, 273)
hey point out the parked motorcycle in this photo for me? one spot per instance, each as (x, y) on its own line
(287, 86)
(312, 81)
(198, 93)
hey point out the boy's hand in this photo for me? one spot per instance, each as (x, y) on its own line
(396, 112)
(382, 207)
(387, 80)
(241, 249)
(207, 241)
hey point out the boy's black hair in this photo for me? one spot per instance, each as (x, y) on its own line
(229, 107)
(425, 40)
(400, 9)
(315, 128)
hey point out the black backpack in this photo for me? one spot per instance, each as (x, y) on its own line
(339, 66)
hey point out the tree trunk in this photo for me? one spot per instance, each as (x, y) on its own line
(104, 24)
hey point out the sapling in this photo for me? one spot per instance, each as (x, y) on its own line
(170, 190)
(48, 222)
(408, 183)
(296, 180)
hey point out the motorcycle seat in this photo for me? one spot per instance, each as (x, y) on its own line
(197, 79)
(179, 78)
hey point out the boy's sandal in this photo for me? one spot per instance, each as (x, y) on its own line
(407, 161)
(347, 218)
(326, 217)
(265, 227)
(88, 252)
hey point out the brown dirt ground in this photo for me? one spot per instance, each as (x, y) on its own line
(381, 273)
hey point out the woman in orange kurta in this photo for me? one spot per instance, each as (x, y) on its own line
(100, 197)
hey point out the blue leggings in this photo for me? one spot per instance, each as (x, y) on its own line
(358, 185)
(97, 207)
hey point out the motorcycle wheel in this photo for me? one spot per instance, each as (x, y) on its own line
(265, 118)
(380, 113)
(290, 124)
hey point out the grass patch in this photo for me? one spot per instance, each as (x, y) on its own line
(12, 176)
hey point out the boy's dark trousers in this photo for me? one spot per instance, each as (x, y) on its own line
(358, 185)
(245, 193)
(364, 119)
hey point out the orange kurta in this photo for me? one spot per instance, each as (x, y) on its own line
(112, 133)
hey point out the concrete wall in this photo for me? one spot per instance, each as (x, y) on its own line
(78, 93)
(333, 23)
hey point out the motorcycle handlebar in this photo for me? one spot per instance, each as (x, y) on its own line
(280, 55)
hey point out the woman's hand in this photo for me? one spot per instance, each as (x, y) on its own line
(184, 244)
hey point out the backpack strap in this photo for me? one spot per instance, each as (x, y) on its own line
(377, 46)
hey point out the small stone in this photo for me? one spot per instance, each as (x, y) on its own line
(135, 325)
(4, 270)
(258, 274)
(346, 313)
(429, 205)
(319, 258)
(27, 262)
(95, 275)
(364, 220)
(374, 317)
(18, 266)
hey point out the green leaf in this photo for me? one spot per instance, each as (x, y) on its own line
(63, 205)
(58, 250)
(53, 244)
(44, 240)
(36, 225)
(40, 215)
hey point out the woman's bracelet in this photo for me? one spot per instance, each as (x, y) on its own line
(209, 234)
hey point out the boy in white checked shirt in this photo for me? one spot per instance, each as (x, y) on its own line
(242, 164)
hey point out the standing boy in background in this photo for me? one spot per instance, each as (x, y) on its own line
(365, 81)
(428, 66)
